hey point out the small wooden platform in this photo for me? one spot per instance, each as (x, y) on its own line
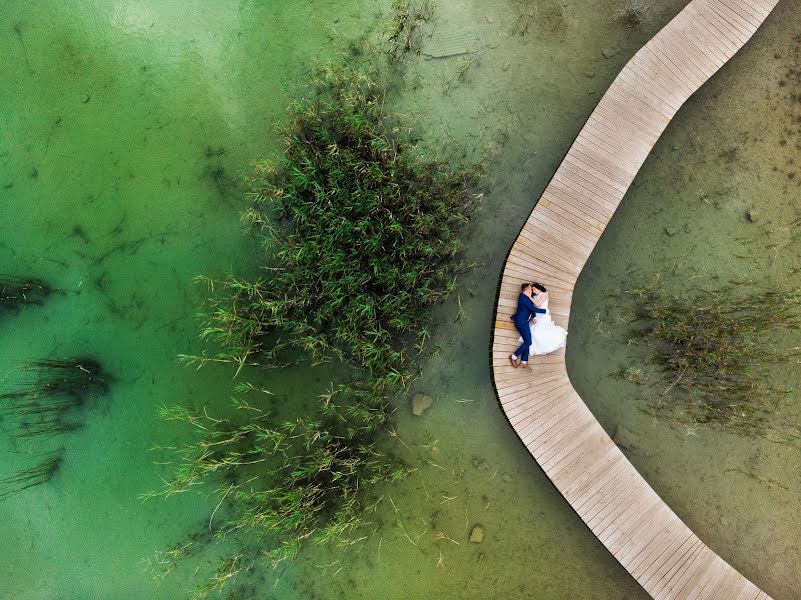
(617, 504)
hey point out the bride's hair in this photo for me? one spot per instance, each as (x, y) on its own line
(539, 286)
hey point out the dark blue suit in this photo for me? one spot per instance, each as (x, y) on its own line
(525, 310)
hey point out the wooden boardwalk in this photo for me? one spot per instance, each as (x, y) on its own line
(617, 504)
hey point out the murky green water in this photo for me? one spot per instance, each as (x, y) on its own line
(125, 127)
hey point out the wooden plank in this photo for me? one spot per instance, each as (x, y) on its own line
(599, 500)
(543, 223)
(715, 27)
(606, 461)
(706, 62)
(596, 141)
(683, 61)
(657, 582)
(754, 8)
(534, 406)
(613, 166)
(706, 40)
(595, 173)
(647, 563)
(625, 147)
(750, 592)
(731, 20)
(714, 573)
(679, 63)
(587, 437)
(666, 71)
(738, 588)
(638, 83)
(642, 532)
(673, 534)
(549, 421)
(605, 509)
(650, 575)
(682, 570)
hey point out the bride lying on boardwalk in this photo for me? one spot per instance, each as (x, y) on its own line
(546, 336)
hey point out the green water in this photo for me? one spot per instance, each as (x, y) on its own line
(125, 129)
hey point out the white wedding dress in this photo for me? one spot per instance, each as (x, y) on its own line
(546, 336)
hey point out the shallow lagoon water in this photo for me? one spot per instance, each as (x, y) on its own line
(125, 131)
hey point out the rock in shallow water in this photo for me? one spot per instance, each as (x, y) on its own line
(477, 534)
(625, 438)
(480, 463)
(421, 403)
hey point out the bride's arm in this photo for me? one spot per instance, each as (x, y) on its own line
(543, 297)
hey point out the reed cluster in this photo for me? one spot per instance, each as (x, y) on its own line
(38, 474)
(711, 349)
(287, 483)
(45, 395)
(633, 12)
(360, 231)
(403, 31)
(16, 292)
(362, 235)
(48, 394)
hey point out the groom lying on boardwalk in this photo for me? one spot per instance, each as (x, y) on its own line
(526, 309)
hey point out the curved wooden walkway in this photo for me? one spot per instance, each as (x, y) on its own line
(617, 504)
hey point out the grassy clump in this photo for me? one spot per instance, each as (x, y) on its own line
(49, 392)
(404, 29)
(38, 474)
(361, 237)
(16, 292)
(362, 232)
(633, 13)
(301, 480)
(711, 350)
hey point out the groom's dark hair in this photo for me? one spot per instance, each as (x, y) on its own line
(539, 286)
(524, 287)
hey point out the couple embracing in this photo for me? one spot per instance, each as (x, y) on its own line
(540, 335)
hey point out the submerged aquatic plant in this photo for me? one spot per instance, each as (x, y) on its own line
(361, 238)
(286, 483)
(633, 13)
(49, 391)
(403, 30)
(16, 292)
(711, 349)
(38, 474)
(362, 231)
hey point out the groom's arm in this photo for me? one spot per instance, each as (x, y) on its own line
(533, 307)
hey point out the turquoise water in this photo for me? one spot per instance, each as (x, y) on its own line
(126, 128)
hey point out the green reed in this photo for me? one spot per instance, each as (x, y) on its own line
(403, 32)
(362, 234)
(16, 292)
(38, 474)
(284, 483)
(712, 349)
(634, 12)
(48, 393)
(360, 231)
